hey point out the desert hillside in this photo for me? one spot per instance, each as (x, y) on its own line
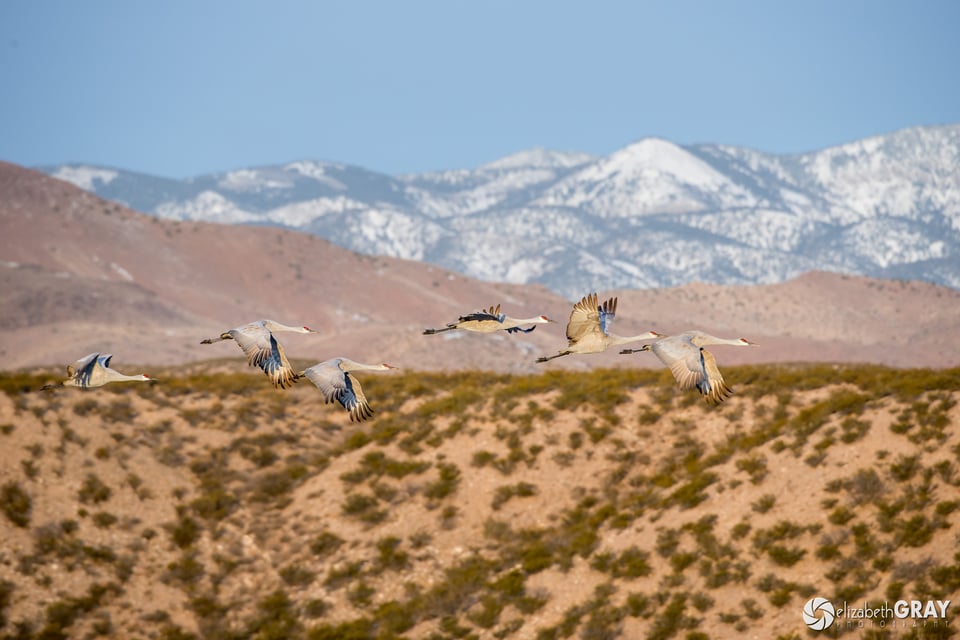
(566, 504)
(80, 274)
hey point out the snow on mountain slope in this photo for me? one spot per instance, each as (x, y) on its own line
(84, 176)
(498, 184)
(380, 231)
(650, 176)
(208, 206)
(300, 214)
(651, 214)
(317, 171)
(911, 174)
(779, 230)
(251, 180)
(541, 158)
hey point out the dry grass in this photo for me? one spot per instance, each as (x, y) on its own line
(475, 505)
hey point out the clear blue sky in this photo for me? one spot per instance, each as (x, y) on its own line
(180, 88)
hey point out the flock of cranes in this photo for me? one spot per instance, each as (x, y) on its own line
(588, 331)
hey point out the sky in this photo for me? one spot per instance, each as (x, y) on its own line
(183, 88)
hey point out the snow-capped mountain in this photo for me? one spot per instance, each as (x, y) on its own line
(651, 214)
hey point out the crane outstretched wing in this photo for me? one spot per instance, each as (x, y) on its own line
(693, 367)
(584, 318)
(337, 385)
(608, 311)
(82, 369)
(263, 351)
(683, 359)
(713, 386)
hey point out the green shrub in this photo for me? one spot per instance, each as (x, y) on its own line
(393, 618)
(864, 487)
(507, 492)
(185, 532)
(275, 619)
(693, 492)
(764, 503)
(343, 574)
(483, 458)
(85, 406)
(667, 542)
(785, 556)
(215, 501)
(915, 531)
(763, 539)
(535, 556)
(364, 507)
(119, 411)
(446, 484)
(316, 608)
(376, 464)
(277, 484)
(297, 576)
(755, 466)
(93, 490)
(16, 504)
(359, 629)
(390, 556)
(104, 520)
(325, 544)
(680, 561)
(841, 516)
(853, 429)
(672, 619)
(187, 570)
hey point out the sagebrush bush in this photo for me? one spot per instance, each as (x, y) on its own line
(16, 504)
(93, 490)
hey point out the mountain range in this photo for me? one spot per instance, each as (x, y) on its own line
(79, 274)
(652, 214)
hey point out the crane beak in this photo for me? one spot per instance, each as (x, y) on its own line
(389, 366)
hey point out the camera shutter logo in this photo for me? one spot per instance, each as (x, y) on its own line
(820, 606)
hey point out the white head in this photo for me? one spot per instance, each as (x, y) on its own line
(544, 320)
(743, 342)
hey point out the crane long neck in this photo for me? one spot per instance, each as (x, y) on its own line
(276, 326)
(735, 342)
(350, 365)
(514, 322)
(615, 339)
(122, 377)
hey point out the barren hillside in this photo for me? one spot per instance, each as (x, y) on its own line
(477, 505)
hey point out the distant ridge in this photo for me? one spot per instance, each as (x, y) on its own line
(652, 214)
(81, 274)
